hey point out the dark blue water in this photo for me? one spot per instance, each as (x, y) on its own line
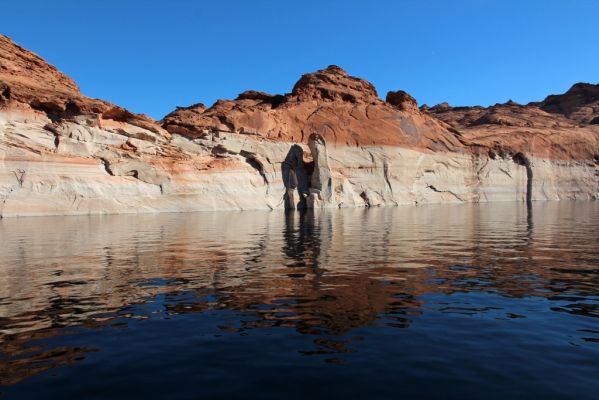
(468, 301)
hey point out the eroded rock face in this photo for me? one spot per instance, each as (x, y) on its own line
(31, 78)
(28, 82)
(402, 100)
(96, 170)
(344, 110)
(295, 178)
(331, 142)
(513, 128)
(322, 192)
(334, 84)
(4, 93)
(580, 103)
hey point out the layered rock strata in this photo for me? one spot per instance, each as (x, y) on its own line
(331, 142)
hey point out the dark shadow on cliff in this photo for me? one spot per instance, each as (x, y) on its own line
(295, 177)
(524, 161)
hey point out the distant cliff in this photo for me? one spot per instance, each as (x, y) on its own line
(330, 142)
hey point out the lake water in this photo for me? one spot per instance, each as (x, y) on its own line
(489, 301)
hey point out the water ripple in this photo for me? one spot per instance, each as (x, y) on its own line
(434, 298)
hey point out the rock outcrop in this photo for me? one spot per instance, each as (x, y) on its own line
(580, 103)
(322, 192)
(538, 129)
(29, 82)
(343, 109)
(330, 142)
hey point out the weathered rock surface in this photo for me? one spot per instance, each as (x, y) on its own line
(331, 142)
(536, 129)
(580, 103)
(322, 192)
(343, 109)
(29, 82)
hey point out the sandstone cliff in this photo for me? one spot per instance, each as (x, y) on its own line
(330, 142)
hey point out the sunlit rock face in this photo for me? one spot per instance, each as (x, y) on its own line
(331, 142)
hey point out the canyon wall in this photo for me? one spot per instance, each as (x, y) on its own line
(331, 142)
(82, 170)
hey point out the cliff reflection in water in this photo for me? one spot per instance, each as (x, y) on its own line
(319, 273)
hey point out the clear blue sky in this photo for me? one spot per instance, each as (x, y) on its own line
(150, 56)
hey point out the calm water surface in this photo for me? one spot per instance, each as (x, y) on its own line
(467, 301)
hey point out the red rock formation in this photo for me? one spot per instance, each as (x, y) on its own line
(552, 129)
(334, 84)
(27, 80)
(402, 100)
(343, 109)
(64, 153)
(580, 103)
(346, 110)
(31, 79)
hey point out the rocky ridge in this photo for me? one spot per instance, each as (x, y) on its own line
(344, 110)
(529, 129)
(330, 142)
(28, 82)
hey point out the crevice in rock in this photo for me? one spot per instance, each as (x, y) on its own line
(20, 176)
(106, 166)
(53, 111)
(222, 151)
(386, 174)
(223, 120)
(521, 159)
(54, 130)
(364, 197)
(505, 172)
(4, 92)
(143, 172)
(72, 109)
(434, 189)
(253, 161)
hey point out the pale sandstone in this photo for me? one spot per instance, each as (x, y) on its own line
(331, 142)
(38, 179)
